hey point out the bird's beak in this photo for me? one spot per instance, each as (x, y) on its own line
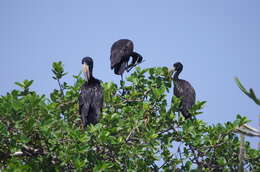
(171, 71)
(86, 72)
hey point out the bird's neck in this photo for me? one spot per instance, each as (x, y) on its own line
(91, 79)
(176, 75)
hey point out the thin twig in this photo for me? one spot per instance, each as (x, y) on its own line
(164, 131)
(195, 156)
(61, 89)
(127, 138)
(179, 152)
(166, 162)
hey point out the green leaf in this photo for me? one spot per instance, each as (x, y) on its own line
(250, 94)
(19, 84)
(58, 70)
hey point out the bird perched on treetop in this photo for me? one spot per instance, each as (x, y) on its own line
(121, 51)
(183, 90)
(91, 95)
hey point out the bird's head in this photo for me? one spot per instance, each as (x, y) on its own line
(87, 63)
(177, 67)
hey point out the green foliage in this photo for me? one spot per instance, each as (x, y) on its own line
(25, 85)
(58, 70)
(138, 131)
(250, 93)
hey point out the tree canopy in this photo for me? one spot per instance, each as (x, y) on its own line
(140, 130)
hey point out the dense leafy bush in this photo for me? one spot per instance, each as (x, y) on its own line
(138, 131)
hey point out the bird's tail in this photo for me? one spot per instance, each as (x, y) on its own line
(186, 113)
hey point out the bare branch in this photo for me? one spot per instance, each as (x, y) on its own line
(248, 131)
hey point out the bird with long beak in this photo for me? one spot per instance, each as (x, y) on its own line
(121, 51)
(183, 90)
(91, 95)
(87, 66)
(170, 72)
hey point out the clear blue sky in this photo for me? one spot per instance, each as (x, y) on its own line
(215, 40)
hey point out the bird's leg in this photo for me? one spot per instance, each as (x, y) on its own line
(122, 84)
(122, 79)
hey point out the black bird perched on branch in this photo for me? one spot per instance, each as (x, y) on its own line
(91, 95)
(183, 90)
(121, 51)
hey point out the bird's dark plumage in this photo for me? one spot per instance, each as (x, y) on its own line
(121, 51)
(91, 95)
(184, 91)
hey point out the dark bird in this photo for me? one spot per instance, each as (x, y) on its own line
(183, 90)
(91, 95)
(121, 51)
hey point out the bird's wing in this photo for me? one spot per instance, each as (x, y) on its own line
(96, 103)
(186, 92)
(80, 104)
(120, 68)
(98, 97)
(119, 50)
(84, 104)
